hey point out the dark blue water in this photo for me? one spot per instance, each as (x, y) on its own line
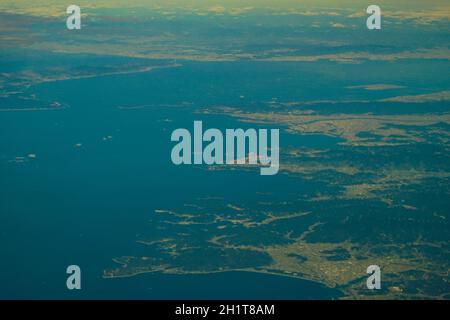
(87, 204)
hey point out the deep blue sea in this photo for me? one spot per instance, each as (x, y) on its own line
(99, 172)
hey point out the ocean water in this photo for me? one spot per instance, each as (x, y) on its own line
(99, 173)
